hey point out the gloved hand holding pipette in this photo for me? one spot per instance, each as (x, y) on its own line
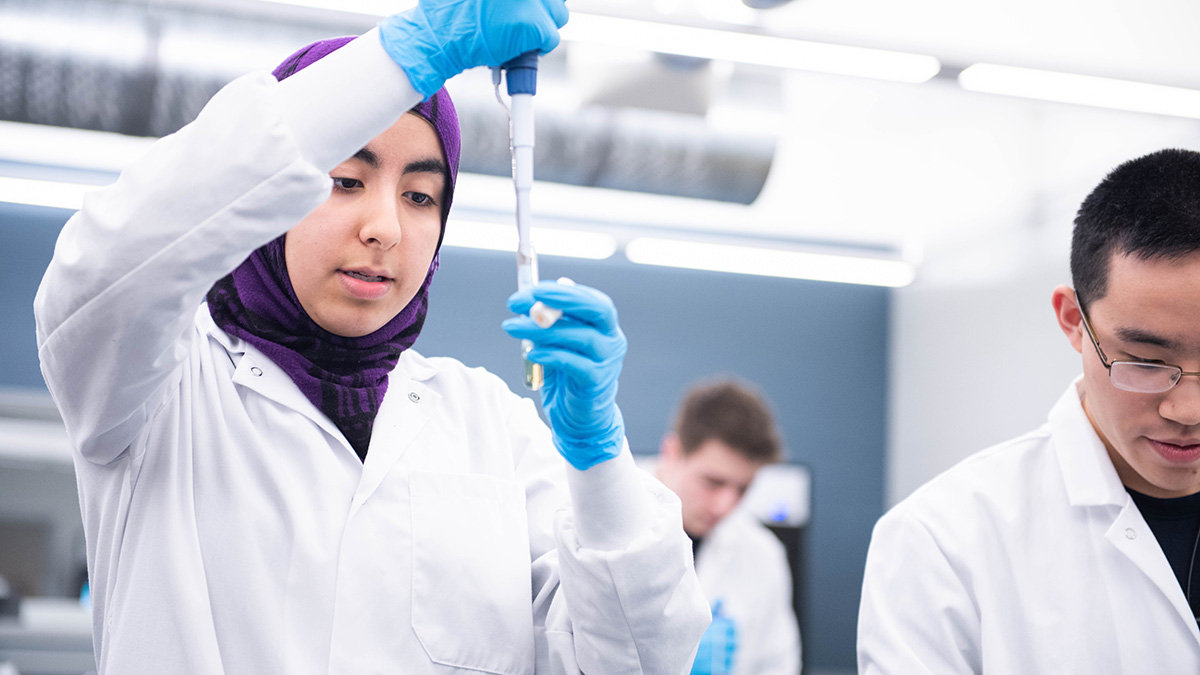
(582, 354)
(487, 32)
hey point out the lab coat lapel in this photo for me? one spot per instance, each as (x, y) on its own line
(1092, 483)
(1087, 471)
(261, 375)
(1130, 535)
(406, 410)
(254, 371)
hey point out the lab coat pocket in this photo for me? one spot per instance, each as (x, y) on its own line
(472, 595)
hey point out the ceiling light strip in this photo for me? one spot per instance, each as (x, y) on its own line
(548, 241)
(753, 49)
(75, 148)
(788, 264)
(48, 193)
(374, 8)
(1089, 90)
(583, 244)
(708, 43)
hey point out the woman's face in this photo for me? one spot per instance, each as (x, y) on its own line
(358, 259)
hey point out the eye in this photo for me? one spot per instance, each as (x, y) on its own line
(346, 184)
(419, 198)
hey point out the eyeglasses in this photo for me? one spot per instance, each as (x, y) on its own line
(1135, 376)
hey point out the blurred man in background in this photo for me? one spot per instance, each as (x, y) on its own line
(723, 434)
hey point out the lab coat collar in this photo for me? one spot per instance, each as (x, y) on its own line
(1092, 480)
(257, 372)
(398, 415)
(1087, 470)
(414, 366)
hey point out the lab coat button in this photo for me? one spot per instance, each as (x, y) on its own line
(257, 371)
(414, 397)
(1130, 534)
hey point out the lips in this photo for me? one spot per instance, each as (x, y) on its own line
(1182, 451)
(365, 275)
(365, 284)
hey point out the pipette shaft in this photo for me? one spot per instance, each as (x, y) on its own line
(521, 80)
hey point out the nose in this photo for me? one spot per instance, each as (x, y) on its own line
(379, 222)
(726, 500)
(1182, 403)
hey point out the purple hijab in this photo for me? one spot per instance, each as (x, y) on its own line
(346, 377)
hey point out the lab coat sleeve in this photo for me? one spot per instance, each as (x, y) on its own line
(615, 589)
(917, 613)
(115, 308)
(629, 585)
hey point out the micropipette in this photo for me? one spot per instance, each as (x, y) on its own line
(520, 76)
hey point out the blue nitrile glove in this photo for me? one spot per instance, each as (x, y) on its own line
(717, 645)
(581, 354)
(439, 39)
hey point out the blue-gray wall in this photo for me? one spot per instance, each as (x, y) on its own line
(818, 350)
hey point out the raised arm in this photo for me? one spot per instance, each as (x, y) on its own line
(115, 307)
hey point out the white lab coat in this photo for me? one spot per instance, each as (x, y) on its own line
(745, 567)
(230, 527)
(1028, 557)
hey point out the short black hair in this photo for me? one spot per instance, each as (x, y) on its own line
(730, 411)
(1148, 207)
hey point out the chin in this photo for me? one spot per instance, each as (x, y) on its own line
(350, 329)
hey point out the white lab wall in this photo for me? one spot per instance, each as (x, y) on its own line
(976, 355)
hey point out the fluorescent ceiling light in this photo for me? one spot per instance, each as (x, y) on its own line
(53, 194)
(460, 233)
(108, 40)
(771, 262)
(74, 148)
(376, 8)
(546, 241)
(1081, 89)
(708, 43)
(763, 50)
(34, 442)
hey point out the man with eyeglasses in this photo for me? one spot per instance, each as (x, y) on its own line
(1072, 549)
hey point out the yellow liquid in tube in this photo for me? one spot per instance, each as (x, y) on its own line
(533, 371)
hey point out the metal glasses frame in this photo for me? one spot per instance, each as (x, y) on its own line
(1109, 364)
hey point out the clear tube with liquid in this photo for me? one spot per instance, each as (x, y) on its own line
(527, 277)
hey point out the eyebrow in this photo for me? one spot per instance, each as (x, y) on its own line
(427, 166)
(1138, 336)
(368, 157)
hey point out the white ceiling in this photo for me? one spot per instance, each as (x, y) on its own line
(929, 167)
(936, 166)
(1137, 39)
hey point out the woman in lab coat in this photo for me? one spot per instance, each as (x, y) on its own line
(274, 481)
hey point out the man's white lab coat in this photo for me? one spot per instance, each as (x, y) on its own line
(1028, 557)
(231, 528)
(742, 565)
